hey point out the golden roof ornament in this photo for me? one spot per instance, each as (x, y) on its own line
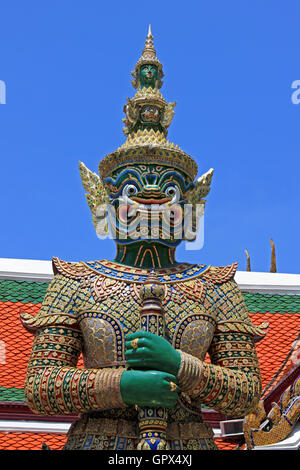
(273, 268)
(248, 261)
(261, 429)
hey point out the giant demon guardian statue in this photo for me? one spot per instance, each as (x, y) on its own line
(144, 323)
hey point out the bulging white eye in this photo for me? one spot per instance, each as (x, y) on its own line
(129, 190)
(173, 191)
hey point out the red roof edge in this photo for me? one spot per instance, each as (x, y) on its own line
(213, 417)
(20, 410)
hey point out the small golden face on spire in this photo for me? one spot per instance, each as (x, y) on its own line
(148, 70)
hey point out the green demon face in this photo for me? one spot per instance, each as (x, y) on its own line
(147, 203)
(148, 75)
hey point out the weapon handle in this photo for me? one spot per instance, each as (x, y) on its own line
(152, 421)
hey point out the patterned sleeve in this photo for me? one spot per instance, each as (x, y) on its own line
(54, 384)
(231, 383)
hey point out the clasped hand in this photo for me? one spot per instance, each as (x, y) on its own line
(152, 352)
(154, 365)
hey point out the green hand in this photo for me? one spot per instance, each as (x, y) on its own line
(152, 352)
(148, 388)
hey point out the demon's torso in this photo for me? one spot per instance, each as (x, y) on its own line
(107, 303)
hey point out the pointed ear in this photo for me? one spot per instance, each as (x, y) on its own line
(96, 195)
(195, 197)
(201, 188)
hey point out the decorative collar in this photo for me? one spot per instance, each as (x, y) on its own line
(180, 272)
(113, 270)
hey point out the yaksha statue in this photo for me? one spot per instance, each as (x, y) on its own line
(159, 338)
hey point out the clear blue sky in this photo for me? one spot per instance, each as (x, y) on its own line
(228, 64)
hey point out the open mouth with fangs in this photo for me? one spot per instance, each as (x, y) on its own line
(130, 207)
(153, 201)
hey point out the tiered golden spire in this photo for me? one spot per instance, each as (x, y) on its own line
(147, 118)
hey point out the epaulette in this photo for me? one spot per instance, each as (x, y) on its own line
(48, 316)
(233, 326)
(32, 323)
(72, 270)
(218, 275)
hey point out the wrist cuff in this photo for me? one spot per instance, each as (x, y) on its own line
(107, 389)
(189, 372)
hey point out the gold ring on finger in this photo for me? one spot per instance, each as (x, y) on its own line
(134, 343)
(173, 386)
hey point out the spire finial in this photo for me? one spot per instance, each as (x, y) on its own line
(273, 268)
(248, 261)
(149, 52)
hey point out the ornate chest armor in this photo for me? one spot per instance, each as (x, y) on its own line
(108, 308)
